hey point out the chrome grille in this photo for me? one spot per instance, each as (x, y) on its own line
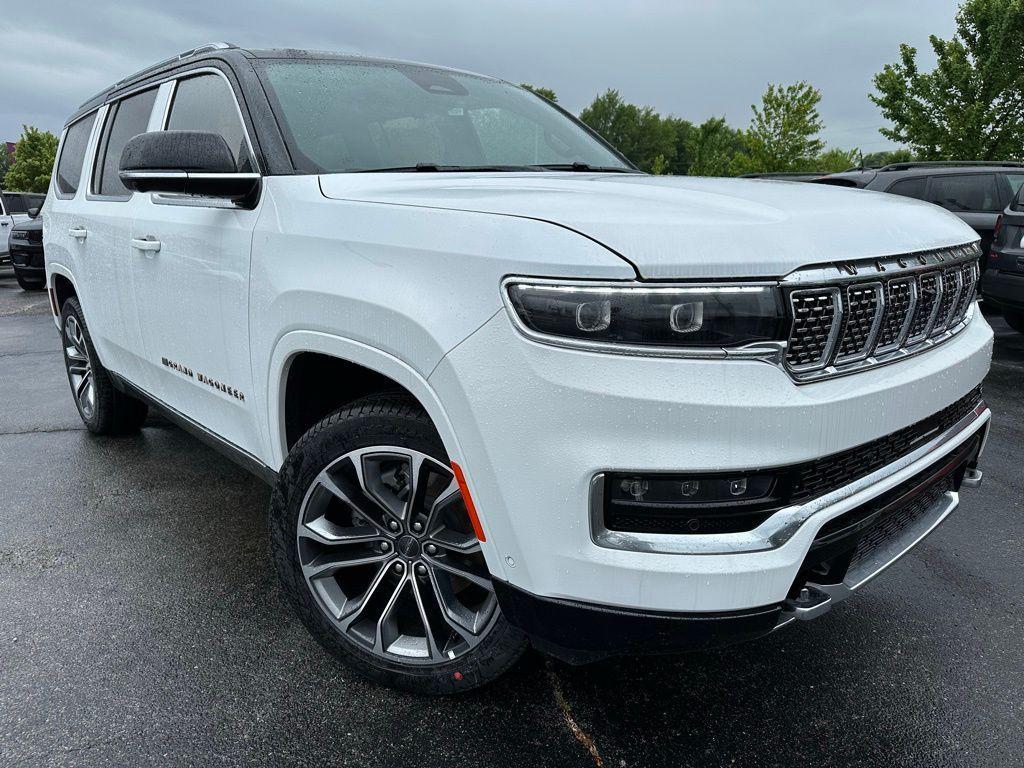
(928, 291)
(814, 327)
(861, 319)
(900, 301)
(870, 312)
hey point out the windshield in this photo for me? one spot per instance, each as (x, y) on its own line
(343, 116)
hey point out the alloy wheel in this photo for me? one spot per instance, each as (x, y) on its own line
(79, 366)
(387, 549)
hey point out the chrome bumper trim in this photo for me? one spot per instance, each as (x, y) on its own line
(780, 527)
(816, 599)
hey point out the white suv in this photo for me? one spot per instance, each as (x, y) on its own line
(508, 389)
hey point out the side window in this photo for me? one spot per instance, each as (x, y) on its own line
(967, 192)
(14, 203)
(72, 155)
(910, 187)
(125, 120)
(206, 103)
(1014, 182)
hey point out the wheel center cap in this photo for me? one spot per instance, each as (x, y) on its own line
(408, 546)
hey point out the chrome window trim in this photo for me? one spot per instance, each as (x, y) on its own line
(783, 525)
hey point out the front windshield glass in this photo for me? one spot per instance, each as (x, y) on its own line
(343, 116)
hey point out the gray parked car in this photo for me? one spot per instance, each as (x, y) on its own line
(976, 192)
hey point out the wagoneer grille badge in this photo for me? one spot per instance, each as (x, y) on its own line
(850, 316)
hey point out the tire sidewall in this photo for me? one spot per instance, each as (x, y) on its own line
(344, 431)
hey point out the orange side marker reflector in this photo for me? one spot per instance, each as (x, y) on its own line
(53, 302)
(470, 506)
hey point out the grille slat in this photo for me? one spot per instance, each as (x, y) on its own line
(900, 298)
(912, 301)
(861, 307)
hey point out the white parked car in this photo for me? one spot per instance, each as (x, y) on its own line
(508, 389)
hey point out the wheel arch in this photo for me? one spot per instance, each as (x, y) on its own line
(62, 286)
(301, 354)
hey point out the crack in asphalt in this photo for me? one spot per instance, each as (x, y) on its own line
(584, 738)
(42, 431)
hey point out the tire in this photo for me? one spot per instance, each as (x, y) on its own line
(348, 478)
(28, 284)
(1014, 319)
(104, 410)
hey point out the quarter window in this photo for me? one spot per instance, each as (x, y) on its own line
(125, 120)
(206, 103)
(973, 192)
(72, 155)
(910, 187)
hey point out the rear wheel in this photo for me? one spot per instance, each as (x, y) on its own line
(1014, 319)
(103, 409)
(376, 551)
(28, 284)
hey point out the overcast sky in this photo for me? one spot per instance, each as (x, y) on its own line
(690, 58)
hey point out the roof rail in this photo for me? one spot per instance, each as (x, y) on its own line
(951, 164)
(180, 57)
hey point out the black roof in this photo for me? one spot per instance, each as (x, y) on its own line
(233, 55)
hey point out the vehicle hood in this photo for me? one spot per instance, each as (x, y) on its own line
(683, 227)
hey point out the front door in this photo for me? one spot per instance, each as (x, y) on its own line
(191, 273)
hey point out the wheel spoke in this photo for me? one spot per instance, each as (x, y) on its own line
(83, 386)
(353, 609)
(435, 650)
(385, 622)
(331, 563)
(367, 507)
(449, 566)
(323, 531)
(465, 622)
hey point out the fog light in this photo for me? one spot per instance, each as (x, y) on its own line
(738, 487)
(689, 487)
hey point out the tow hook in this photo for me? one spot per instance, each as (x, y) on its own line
(809, 604)
(973, 477)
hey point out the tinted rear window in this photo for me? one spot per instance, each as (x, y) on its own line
(72, 154)
(966, 192)
(125, 120)
(910, 187)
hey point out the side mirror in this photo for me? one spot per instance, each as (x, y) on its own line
(33, 212)
(185, 162)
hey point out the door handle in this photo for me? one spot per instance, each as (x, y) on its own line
(139, 244)
(78, 233)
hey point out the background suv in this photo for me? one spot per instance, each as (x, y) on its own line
(508, 389)
(975, 192)
(14, 208)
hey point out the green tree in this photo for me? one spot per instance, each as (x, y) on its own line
(971, 106)
(547, 93)
(712, 148)
(5, 161)
(639, 133)
(33, 161)
(878, 159)
(835, 160)
(783, 134)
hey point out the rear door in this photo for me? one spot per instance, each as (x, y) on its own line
(110, 207)
(191, 266)
(974, 197)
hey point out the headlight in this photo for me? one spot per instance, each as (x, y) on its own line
(702, 316)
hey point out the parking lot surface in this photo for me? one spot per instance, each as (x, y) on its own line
(141, 624)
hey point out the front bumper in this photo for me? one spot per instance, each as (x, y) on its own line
(535, 424)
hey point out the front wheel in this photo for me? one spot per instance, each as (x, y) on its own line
(373, 544)
(1014, 319)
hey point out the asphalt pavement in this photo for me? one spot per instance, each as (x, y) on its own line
(141, 624)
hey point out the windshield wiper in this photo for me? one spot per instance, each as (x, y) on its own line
(585, 167)
(435, 168)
